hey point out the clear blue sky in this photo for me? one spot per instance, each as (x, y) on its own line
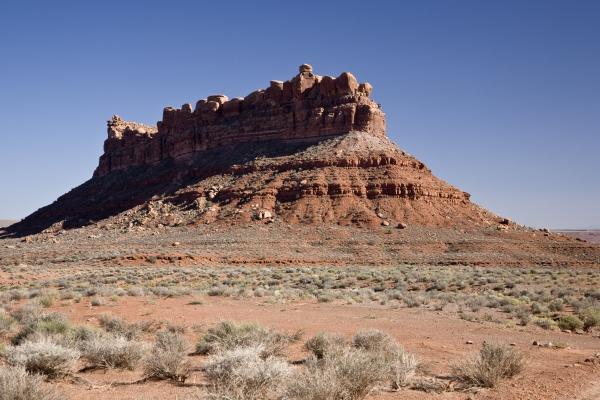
(500, 98)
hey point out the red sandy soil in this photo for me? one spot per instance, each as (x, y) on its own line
(437, 339)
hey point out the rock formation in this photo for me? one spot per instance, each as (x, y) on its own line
(306, 107)
(308, 150)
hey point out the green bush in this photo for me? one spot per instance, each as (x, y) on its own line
(44, 325)
(570, 322)
(545, 323)
(590, 317)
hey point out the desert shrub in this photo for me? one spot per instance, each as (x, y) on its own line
(493, 363)
(97, 301)
(556, 305)
(167, 360)
(570, 322)
(80, 334)
(372, 340)
(524, 317)
(135, 291)
(545, 323)
(348, 374)
(162, 291)
(47, 299)
(67, 295)
(218, 290)
(228, 335)
(17, 294)
(27, 313)
(17, 384)
(6, 323)
(538, 308)
(244, 374)
(402, 365)
(590, 317)
(118, 326)
(414, 300)
(323, 344)
(594, 294)
(43, 356)
(112, 351)
(44, 325)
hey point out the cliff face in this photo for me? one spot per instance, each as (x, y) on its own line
(306, 107)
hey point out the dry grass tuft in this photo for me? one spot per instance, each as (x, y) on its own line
(17, 384)
(244, 374)
(167, 360)
(348, 374)
(493, 363)
(43, 356)
(112, 351)
(228, 335)
(324, 344)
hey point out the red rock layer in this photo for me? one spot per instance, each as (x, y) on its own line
(305, 107)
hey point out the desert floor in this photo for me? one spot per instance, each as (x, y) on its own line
(416, 285)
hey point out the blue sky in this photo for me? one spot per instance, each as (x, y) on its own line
(501, 99)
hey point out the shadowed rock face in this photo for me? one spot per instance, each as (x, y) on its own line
(306, 107)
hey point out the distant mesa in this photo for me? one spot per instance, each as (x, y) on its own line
(312, 149)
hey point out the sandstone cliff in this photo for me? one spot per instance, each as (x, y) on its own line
(306, 107)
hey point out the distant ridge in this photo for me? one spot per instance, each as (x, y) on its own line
(6, 222)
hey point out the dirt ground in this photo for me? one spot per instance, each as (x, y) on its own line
(353, 275)
(437, 339)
